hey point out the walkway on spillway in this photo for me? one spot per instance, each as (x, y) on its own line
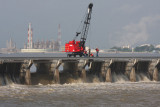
(60, 55)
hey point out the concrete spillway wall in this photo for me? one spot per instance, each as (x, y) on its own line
(58, 70)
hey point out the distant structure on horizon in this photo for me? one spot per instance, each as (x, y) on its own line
(42, 46)
(59, 35)
(10, 47)
(30, 33)
(10, 44)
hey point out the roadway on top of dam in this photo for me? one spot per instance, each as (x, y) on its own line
(60, 55)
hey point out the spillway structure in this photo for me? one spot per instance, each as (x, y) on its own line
(52, 69)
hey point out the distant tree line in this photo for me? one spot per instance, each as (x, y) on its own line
(121, 49)
(145, 48)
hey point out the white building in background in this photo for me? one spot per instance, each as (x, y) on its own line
(128, 46)
(145, 45)
(157, 46)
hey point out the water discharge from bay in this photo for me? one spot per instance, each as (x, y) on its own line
(66, 78)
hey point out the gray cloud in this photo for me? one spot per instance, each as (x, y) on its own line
(134, 33)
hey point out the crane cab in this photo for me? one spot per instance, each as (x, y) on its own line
(73, 48)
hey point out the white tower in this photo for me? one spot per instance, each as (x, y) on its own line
(29, 45)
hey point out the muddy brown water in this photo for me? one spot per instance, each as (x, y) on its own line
(76, 94)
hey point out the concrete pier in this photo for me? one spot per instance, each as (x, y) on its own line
(56, 76)
(28, 77)
(83, 75)
(25, 75)
(133, 75)
(108, 75)
(155, 74)
(17, 69)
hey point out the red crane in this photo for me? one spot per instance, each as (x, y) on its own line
(74, 48)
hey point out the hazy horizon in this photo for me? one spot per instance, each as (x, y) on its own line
(113, 23)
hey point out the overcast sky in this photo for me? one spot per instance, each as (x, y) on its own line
(113, 23)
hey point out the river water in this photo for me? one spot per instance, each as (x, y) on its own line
(102, 94)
